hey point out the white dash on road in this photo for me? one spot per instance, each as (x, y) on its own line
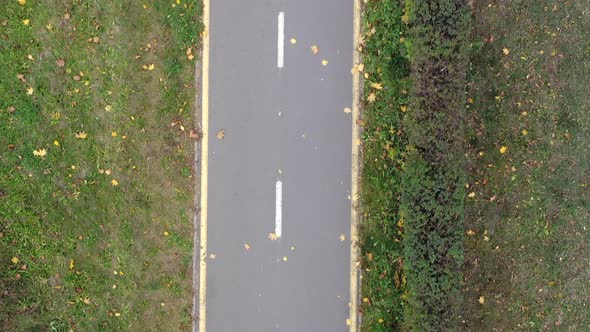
(279, 209)
(281, 41)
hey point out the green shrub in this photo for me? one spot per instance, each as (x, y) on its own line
(432, 183)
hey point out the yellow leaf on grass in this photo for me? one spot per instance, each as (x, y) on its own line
(15, 260)
(481, 300)
(372, 97)
(114, 182)
(108, 108)
(471, 194)
(22, 2)
(81, 135)
(377, 86)
(503, 149)
(56, 143)
(166, 233)
(314, 49)
(86, 300)
(114, 134)
(30, 91)
(71, 265)
(40, 152)
(151, 66)
(221, 134)
(471, 232)
(505, 51)
(524, 132)
(26, 21)
(403, 108)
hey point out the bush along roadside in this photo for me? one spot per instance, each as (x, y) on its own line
(432, 200)
(385, 70)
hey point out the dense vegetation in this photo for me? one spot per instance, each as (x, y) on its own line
(434, 173)
(95, 184)
(478, 219)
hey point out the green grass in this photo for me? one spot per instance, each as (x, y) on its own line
(385, 63)
(527, 250)
(78, 252)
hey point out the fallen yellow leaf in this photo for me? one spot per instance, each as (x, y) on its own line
(15, 260)
(314, 49)
(471, 194)
(212, 256)
(285, 258)
(293, 41)
(371, 98)
(505, 51)
(221, 134)
(151, 66)
(503, 149)
(166, 233)
(56, 143)
(342, 237)
(114, 134)
(324, 62)
(26, 21)
(524, 132)
(481, 300)
(40, 152)
(108, 108)
(71, 265)
(22, 2)
(404, 108)
(377, 86)
(246, 246)
(30, 91)
(347, 110)
(81, 135)
(272, 236)
(114, 182)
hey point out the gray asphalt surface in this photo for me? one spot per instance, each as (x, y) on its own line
(309, 142)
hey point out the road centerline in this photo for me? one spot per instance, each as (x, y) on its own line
(281, 40)
(279, 209)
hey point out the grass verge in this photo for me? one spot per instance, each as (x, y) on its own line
(386, 84)
(96, 185)
(526, 254)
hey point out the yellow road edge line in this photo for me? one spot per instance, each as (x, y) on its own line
(354, 215)
(204, 169)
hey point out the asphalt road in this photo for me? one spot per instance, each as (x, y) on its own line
(280, 124)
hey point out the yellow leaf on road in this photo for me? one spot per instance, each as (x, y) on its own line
(324, 62)
(272, 236)
(246, 246)
(342, 237)
(293, 41)
(221, 134)
(347, 110)
(314, 49)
